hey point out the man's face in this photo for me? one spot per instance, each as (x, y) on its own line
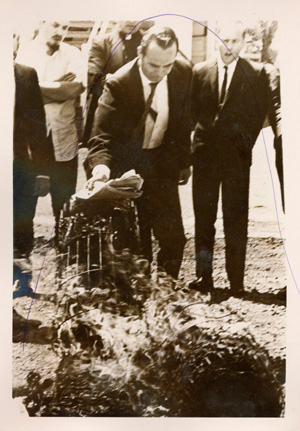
(53, 32)
(129, 26)
(233, 38)
(157, 62)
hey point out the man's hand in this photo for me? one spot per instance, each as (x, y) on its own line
(42, 185)
(67, 77)
(184, 176)
(100, 173)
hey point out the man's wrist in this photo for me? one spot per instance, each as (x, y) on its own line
(49, 85)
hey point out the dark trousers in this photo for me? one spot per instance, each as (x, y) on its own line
(232, 171)
(159, 212)
(24, 205)
(63, 177)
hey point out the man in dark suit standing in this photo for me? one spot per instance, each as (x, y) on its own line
(30, 156)
(143, 124)
(29, 166)
(229, 98)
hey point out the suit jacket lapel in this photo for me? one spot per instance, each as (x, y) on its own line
(213, 82)
(213, 79)
(235, 82)
(136, 93)
(171, 95)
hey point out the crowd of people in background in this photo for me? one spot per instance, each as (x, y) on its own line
(148, 110)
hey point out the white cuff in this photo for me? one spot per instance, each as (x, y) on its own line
(101, 170)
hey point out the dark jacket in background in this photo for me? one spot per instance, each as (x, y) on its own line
(30, 155)
(29, 138)
(108, 53)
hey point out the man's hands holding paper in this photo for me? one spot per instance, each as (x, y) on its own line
(100, 173)
(100, 187)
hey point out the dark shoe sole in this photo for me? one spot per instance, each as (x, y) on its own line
(23, 291)
(201, 286)
(237, 293)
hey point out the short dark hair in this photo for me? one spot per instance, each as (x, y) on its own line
(163, 36)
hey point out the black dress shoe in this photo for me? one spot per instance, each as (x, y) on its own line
(202, 284)
(237, 292)
(281, 295)
(23, 290)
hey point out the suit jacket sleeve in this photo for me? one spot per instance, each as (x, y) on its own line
(185, 129)
(107, 123)
(98, 58)
(30, 141)
(274, 102)
(178, 135)
(38, 143)
(195, 98)
(204, 100)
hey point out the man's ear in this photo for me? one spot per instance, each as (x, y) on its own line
(139, 52)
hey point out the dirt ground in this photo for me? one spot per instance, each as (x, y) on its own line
(261, 312)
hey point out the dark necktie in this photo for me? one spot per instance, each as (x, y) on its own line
(148, 103)
(223, 90)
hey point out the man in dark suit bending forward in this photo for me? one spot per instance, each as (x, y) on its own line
(143, 124)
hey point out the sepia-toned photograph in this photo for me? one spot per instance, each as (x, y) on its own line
(149, 203)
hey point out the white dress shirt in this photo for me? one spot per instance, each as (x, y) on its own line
(155, 130)
(60, 117)
(221, 73)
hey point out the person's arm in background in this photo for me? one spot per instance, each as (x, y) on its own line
(98, 57)
(97, 62)
(274, 102)
(274, 115)
(68, 86)
(185, 133)
(60, 90)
